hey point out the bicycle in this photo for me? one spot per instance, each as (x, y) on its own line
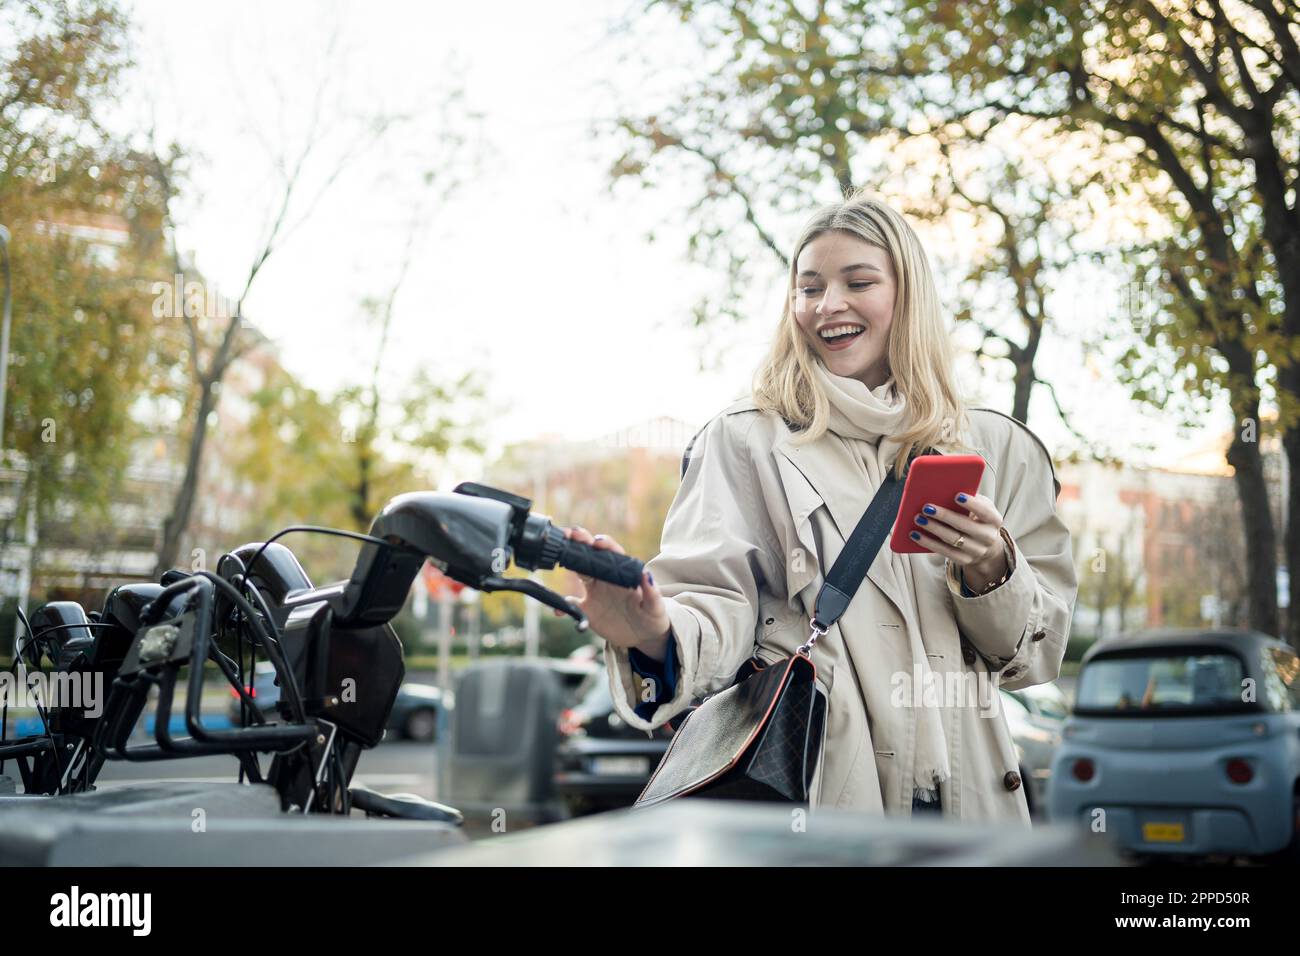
(335, 654)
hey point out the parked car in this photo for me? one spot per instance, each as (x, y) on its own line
(1185, 742)
(600, 762)
(1046, 702)
(574, 673)
(1035, 716)
(415, 714)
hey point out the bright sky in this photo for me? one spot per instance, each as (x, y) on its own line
(534, 270)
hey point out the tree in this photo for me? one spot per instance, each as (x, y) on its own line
(84, 346)
(336, 460)
(225, 340)
(1207, 94)
(1109, 579)
(305, 173)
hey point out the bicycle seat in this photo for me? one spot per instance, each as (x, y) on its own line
(406, 806)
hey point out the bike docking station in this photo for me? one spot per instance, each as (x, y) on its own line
(339, 665)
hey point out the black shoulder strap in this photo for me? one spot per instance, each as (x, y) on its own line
(860, 550)
(686, 455)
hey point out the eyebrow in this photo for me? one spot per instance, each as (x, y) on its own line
(856, 265)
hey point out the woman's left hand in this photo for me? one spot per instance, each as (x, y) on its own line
(982, 552)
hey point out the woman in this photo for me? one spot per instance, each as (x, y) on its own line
(859, 377)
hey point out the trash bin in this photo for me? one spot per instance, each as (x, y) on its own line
(498, 756)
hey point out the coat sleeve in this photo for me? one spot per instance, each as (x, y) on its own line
(1021, 627)
(715, 555)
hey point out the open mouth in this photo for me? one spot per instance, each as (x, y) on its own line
(840, 335)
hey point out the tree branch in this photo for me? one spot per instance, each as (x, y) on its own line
(1065, 419)
(1288, 49)
(661, 138)
(1238, 57)
(1209, 79)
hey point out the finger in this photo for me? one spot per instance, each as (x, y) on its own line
(979, 537)
(934, 528)
(956, 555)
(606, 543)
(649, 594)
(980, 506)
(965, 524)
(579, 533)
(975, 546)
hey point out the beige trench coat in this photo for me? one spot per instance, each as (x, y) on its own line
(756, 521)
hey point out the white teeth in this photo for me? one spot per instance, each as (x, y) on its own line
(840, 330)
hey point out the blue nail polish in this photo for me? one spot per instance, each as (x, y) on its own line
(920, 520)
(961, 499)
(915, 536)
(930, 510)
(650, 577)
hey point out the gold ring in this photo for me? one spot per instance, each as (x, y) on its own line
(961, 538)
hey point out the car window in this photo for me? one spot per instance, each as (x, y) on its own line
(596, 699)
(1013, 706)
(1049, 705)
(573, 682)
(1282, 678)
(1162, 682)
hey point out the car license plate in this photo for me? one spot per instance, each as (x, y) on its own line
(1163, 832)
(620, 766)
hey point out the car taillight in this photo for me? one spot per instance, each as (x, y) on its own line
(252, 692)
(570, 723)
(1083, 770)
(1239, 771)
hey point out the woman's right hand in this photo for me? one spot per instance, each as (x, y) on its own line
(626, 617)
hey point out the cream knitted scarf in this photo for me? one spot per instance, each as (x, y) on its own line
(867, 420)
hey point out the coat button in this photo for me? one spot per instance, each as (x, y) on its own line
(1038, 635)
(968, 654)
(1011, 781)
(770, 620)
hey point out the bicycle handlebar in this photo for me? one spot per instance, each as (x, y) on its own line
(471, 534)
(620, 569)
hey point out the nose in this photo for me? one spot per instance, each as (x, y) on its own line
(832, 300)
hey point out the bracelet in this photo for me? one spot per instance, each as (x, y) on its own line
(1009, 554)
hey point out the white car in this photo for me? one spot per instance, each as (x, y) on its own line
(1035, 716)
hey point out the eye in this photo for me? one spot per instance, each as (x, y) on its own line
(861, 285)
(809, 290)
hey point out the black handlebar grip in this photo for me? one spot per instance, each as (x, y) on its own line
(600, 563)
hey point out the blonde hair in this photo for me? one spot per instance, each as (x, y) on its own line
(919, 352)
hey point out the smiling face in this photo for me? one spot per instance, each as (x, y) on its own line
(844, 283)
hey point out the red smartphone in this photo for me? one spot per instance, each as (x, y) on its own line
(936, 480)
